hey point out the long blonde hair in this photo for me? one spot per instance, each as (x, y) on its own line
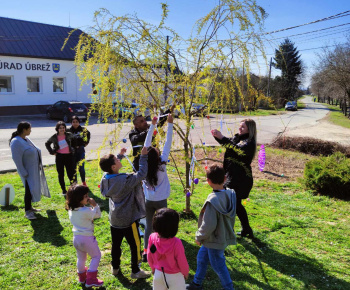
(251, 131)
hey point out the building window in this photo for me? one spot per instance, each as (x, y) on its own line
(33, 84)
(5, 84)
(58, 85)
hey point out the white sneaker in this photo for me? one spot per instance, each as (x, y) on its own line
(140, 274)
(114, 271)
(30, 215)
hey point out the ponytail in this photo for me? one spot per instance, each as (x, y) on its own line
(21, 126)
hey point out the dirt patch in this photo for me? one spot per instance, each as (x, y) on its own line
(284, 167)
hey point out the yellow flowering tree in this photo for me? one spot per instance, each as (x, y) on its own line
(127, 59)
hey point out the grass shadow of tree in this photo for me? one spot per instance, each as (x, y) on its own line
(10, 207)
(211, 277)
(138, 284)
(48, 229)
(299, 266)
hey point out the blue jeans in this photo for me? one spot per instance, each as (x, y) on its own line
(217, 261)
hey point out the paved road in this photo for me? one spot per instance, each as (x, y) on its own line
(268, 128)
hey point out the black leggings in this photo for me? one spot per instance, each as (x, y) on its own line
(65, 160)
(242, 190)
(27, 198)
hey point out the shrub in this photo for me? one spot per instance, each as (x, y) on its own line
(309, 145)
(329, 175)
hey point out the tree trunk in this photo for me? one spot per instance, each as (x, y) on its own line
(187, 157)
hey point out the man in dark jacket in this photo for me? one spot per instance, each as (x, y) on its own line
(82, 139)
(138, 135)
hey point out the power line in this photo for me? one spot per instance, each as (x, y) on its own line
(342, 14)
(314, 31)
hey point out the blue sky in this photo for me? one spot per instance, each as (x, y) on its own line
(183, 13)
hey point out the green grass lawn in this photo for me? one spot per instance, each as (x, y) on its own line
(302, 241)
(337, 117)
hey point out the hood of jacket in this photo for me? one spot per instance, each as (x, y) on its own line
(112, 185)
(226, 204)
(164, 246)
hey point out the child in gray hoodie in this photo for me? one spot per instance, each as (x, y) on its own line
(126, 207)
(215, 229)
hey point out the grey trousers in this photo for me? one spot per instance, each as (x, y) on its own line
(151, 207)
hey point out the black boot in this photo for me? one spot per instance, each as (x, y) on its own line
(194, 286)
(247, 233)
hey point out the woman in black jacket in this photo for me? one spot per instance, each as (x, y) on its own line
(61, 145)
(240, 151)
(82, 139)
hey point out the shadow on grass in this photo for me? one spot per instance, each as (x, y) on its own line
(138, 284)
(48, 229)
(272, 173)
(188, 215)
(10, 208)
(191, 250)
(84, 287)
(211, 277)
(299, 266)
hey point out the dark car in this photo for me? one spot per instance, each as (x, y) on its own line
(291, 106)
(64, 110)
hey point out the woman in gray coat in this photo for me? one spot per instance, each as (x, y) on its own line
(27, 158)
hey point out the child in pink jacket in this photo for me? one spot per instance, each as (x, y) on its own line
(165, 252)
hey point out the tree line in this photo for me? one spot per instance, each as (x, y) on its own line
(331, 82)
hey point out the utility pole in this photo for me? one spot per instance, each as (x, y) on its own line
(268, 80)
(166, 69)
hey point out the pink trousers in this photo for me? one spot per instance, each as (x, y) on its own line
(87, 245)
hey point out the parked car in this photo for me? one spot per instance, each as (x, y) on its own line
(291, 106)
(65, 110)
(128, 111)
(199, 110)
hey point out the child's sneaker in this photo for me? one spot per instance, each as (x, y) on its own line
(194, 286)
(30, 215)
(140, 274)
(114, 271)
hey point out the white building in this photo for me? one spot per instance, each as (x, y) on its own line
(34, 71)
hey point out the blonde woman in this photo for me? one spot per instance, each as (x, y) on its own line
(240, 151)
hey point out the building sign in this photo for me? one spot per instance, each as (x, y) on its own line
(30, 66)
(56, 67)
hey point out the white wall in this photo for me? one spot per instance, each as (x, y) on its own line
(28, 67)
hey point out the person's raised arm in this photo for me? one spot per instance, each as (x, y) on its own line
(221, 139)
(135, 179)
(169, 139)
(121, 154)
(96, 211)
(148, 141)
